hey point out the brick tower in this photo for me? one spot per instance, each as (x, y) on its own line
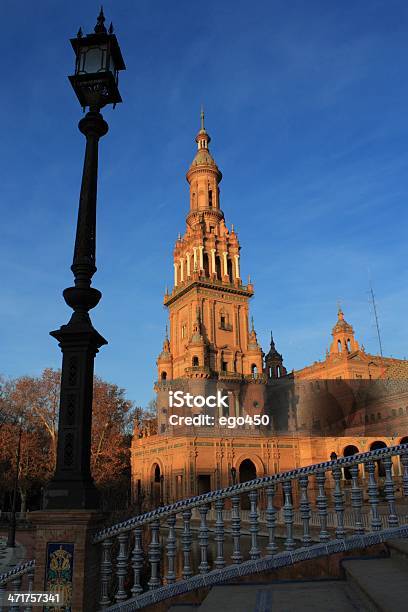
(208, 306)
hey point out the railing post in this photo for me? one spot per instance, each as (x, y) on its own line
(121, 566)
(389, 492)
(404, 461)
(338, 497)
(373, 497)
(304, 508)
(171, 549)
(288, 515)
(2, 596)
(321, 502)
(203, 539)
(106, 572)
(186, 539)
(236, 529)
(154, 555)
(271, 547)
(137, 562)
(356, 498)
(254, 552)
(15, 587)
(30, 583)
(219, 534)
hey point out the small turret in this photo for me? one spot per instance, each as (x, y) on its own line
(343, 337)
(255, 354)
(165, 360)
(274, 362)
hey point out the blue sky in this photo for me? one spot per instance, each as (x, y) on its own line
(306, 104)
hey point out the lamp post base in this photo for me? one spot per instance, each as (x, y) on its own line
(72, 486)
(71, 495)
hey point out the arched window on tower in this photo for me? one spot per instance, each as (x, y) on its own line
(218, 267)
(348, 345)
(339, 346)
(278, 371)
(229, 270)
(210, 199)
(196, 362)
(206, 264)
(163, 375)
(254, 370)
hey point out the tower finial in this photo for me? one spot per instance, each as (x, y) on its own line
(252, 323)
(202, 117)
(167, 332)
(100, 23)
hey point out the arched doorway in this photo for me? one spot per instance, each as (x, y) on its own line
(404, 440)
(380, 465)
(348, 452)
(157, 483)
(247, 471)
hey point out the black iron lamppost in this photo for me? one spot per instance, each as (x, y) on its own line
(95, 82)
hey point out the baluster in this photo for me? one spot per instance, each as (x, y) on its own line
(338, 497)
(389, 492)
(254, 553)
(30, 583)
(236, 529)
(321, 503)
(219, 534)
(106, 573)
(15, 588)
(356, 499)
(203, 539)
(137, 562)
(288, 515)
(121, 566)
(186, 539)
(305, 508)
(171, 550)
(3, 588)
(373, 497)
(271, 547)
(154, 555)
(404, 462)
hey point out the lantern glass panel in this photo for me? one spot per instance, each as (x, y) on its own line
(92, 59)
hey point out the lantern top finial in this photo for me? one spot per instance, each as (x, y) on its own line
(100, 23)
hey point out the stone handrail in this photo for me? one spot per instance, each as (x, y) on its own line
(13, 580)
(327, 523)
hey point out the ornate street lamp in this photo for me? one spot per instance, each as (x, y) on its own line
(95, 82)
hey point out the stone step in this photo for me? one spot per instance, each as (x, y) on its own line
(301, 596)
(184, 608)
(399, 547)
(384, 582)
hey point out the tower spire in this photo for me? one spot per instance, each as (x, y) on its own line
(100, 23)
(202, 118)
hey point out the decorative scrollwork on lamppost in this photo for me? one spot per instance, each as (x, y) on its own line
(95, 82)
